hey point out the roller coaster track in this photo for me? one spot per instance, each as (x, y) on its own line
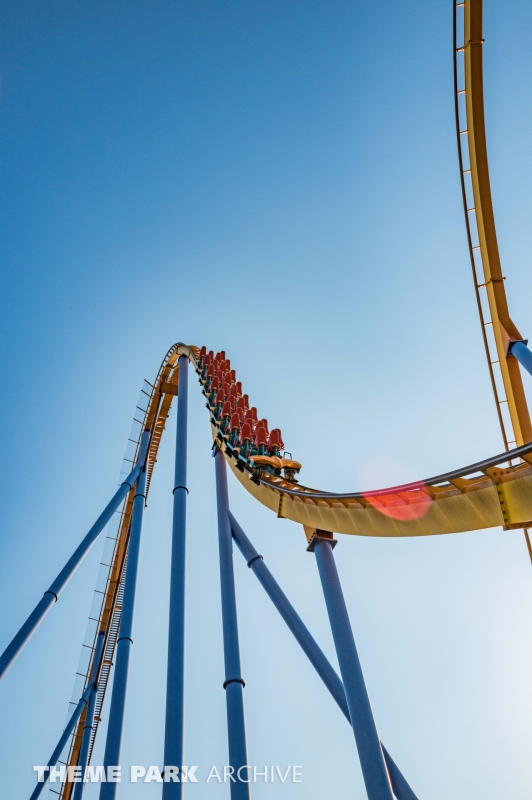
(498, 330)
(490, 493)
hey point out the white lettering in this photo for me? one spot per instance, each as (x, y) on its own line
(74, 774)
(95, 774)
(256, 773)
(40, 773)
(189, 774)
(296, 773)
(58, 773)
(171, 774)
(114, 774)
(153, 774)
(214, 774)
(282, 777)
(228, 772)
(136, 773)
(240, 778)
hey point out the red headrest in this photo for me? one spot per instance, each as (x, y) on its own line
(226, 409)
(261, 436)
(235, 420)
(203, 352)
(220, 396)
(246, 432)
(275, 439)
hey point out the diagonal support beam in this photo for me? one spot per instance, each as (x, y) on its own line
(88, 727)
(86, 697)
(309, 646)
(51, 595)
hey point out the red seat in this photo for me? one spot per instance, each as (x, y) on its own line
(246, 433)
(226, 409)
(235, 421)
(220, 396)
(275, 440)
(261, 435)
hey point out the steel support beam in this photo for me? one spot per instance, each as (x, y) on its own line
(175, 686)
(123, 648)
(233, 684)
(367, 740)
(522, 354)
(83, 759)
(317, 658)
(287, 611)
(52, 594)
(88, 694)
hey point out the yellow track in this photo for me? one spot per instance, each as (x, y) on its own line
(496, 492)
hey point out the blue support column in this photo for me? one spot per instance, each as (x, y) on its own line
(72, 722)
(88, 694)
(317, 658)
(83, 759)
(291, 617)
(233, 683)
(522, 354)
(123, 648)
(367, 740)
(52, 594)
(175, 686)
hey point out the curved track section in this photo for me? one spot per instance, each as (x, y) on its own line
(498, 330)
(497, 491)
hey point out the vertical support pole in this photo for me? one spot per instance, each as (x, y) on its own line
(317, 658)
(123, 649)
(175, 685)
(366, 737)
(233, 683)
(89, 716)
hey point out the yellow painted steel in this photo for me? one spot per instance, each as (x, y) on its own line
(501, 496)
(479, 503)
(504, 329)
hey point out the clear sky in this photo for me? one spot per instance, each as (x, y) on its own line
(277, 179)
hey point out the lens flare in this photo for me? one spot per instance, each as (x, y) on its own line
(407, 498)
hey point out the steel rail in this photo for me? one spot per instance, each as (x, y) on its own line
(503, 328)
(155, 417)
(446, 477)
(164, 389)
(505, 333)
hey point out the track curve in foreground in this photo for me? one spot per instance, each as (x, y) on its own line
(496, 491)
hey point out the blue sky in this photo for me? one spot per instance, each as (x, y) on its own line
(278, 180)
